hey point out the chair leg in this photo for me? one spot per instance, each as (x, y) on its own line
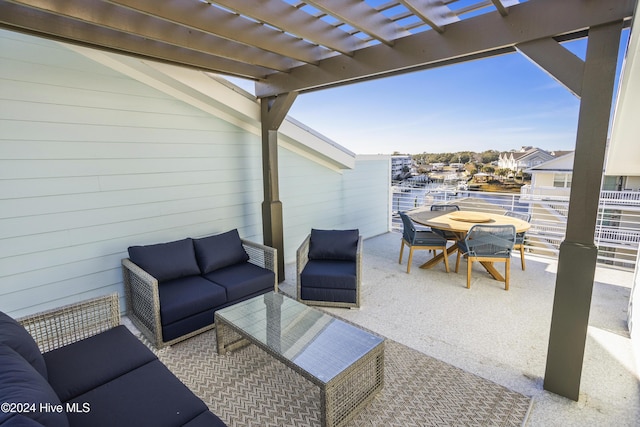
(410, 259)
(469, 265)
(522, 257)
(507, 270)
(401, 250)
(458, 261)
(446, 259)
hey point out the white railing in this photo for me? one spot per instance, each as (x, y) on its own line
(617, 232)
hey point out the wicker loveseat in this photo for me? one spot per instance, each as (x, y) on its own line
(172, 289)
(92, 372)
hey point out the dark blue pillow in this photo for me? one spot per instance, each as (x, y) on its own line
(166, 261)
(334, 244)
(219, 251)
(21, 383)
(16, 336)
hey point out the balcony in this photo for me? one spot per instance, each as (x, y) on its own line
(502, 335)
(617, 228)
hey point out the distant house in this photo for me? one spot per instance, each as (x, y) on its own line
(551, 179)
(527, 157)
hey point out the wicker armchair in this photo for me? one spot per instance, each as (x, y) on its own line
(488, 243)
(143, 297)
(329, 272)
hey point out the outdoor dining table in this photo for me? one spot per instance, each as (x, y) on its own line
(459, 222)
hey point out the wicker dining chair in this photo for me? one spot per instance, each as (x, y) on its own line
(420, 240)
(520, 236)
(449, 235)
(487, 243)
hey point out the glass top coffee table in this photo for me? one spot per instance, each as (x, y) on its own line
(346, 362)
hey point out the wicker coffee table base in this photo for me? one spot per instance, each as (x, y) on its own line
(343, 396)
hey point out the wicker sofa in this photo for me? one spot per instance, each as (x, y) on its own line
(92, 372)
(173, 289)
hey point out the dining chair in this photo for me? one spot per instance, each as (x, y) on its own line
(520, 236)
(487, 244)
(449, 235)
(420, 240)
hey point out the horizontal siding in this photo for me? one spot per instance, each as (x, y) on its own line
(92, 162)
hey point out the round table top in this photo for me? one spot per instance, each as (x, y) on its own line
(462, 221)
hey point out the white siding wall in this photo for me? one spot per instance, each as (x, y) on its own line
(92, 162)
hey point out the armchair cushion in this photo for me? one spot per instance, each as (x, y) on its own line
(166, 261)
(14, 335)
(329, 275)
(219, 251)
(333, 245)
(184, 297)
(21, 383)
(242, 280)
(84, 365)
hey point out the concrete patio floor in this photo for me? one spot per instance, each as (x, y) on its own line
(501, 335)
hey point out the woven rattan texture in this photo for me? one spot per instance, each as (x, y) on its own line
(248, 387)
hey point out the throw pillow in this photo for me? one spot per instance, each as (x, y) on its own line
(21, 384)
(14, 335)
(334, 244)
(166, 261)
(219, 251)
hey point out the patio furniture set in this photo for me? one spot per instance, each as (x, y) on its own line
(477, 236)
(78, 366)
(91, 370)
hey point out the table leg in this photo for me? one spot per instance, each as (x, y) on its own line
(440, 257)
(491, 269)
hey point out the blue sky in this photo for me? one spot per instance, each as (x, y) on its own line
(499, 103)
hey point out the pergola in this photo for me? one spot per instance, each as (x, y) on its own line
(290, 47)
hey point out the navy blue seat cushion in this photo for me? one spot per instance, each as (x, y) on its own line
(148, 396)
(334, 244)
(219, 251)
(76, 368)
(184, 297)
(16, 336)
(21, 383)
(190, 324)
(19, 420)
(328, 295)
(166, 261)
(244, 279)
(329, 274)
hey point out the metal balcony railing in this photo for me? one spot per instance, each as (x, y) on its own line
(617, 232)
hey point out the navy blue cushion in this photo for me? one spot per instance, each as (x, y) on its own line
(166, 261)
(329, 274)
(16, 336)
(328, 295)
(334, 244)
(219, 251)
(21, 383)
(187, 296)
(148, 396)
(19, 420)
(79, 367)
(243, 279)
(186, 326)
